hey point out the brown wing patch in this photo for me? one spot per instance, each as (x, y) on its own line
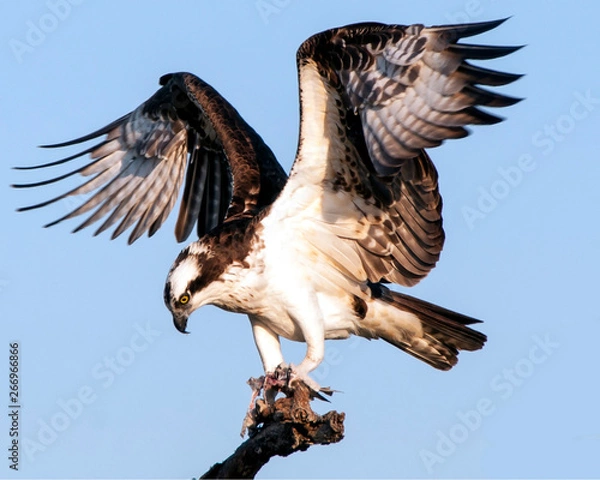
(412, 86)
(138, 168)
(383, 94)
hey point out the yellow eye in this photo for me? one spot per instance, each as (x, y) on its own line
(185, 298)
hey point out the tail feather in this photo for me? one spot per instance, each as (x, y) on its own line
(444, 332)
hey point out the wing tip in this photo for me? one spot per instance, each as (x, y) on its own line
(65, 144)
(90, 136)
(463, 30)
(52, 223)
(483, 52)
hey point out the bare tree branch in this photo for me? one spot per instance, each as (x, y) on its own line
(286, 426)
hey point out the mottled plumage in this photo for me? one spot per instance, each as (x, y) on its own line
(306, 258)
(139, 166)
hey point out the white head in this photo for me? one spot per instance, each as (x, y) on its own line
(206, 272)
(192, 282)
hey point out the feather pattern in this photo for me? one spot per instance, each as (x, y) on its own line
(373, 98)
(137, 170)
(412, 86)
(304, 257)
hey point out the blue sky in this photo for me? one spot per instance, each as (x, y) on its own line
(109, 389)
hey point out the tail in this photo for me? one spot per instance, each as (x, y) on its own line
(442, 333)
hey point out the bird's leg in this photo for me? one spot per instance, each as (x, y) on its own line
(268, 345)
(278, 376)
(307, 315)
(314, 336)
(315, 352)
(269, 349)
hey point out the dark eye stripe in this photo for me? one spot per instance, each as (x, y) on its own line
(167, 294)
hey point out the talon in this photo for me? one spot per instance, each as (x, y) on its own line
(282, 379)
(315, 389)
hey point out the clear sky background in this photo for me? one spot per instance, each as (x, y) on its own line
(521, 210)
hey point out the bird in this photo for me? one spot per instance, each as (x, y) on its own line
(316, 254)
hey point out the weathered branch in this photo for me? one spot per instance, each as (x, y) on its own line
(286, 426)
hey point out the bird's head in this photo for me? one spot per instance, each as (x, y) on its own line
(192, 282)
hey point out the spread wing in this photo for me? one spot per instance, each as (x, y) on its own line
(185, 129)
(373, 97)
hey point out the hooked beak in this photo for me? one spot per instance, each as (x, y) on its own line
(180, 322)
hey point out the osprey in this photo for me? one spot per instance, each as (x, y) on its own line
(305, 257)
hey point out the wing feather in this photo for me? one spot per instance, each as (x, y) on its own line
(373, 98)
(193, 191)
(118, 191)
(422, 68)
(138, 167)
